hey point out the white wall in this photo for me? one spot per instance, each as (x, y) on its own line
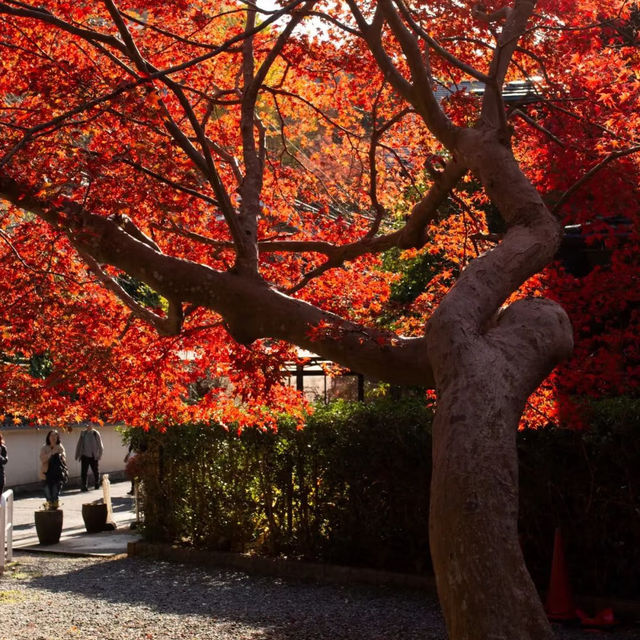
(23, 451)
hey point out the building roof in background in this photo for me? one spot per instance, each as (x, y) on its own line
(515, 91)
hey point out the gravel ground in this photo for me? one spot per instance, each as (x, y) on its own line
(54, 597)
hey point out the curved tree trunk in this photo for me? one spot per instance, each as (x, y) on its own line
(484, 587)
(486, 362)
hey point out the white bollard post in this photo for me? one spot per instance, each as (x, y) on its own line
(6, 528)
(106, 493)
(9, 534)
(3, 530)
(136, 500)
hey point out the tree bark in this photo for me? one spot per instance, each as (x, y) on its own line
(484, 587)
(486, 362)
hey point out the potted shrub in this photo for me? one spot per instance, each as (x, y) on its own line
(48, 525)
(94, 515)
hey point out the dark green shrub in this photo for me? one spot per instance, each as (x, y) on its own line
(587, 483)
(374, 490)
(352, 487)
(199, 486)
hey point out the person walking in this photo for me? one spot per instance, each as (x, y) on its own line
(53, 469)
(3, 461)
(89, 451)
(131, 454)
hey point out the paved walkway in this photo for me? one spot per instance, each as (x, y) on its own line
(74, 539)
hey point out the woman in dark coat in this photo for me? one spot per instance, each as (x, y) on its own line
(53, 470)
(3, 461)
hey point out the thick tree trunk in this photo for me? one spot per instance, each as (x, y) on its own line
(484, 588)
(486, 362)
(483, 380)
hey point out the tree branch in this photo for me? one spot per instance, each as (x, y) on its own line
(529, 120)
(169, 325)
(26, 265)
(164, 180)
(43, 15)
(372, 34)
(438, 48)
(426, 211)
(514, 27)
(250, 307)
(202, 159)
(592, 172)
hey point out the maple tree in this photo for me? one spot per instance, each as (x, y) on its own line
(192, 188)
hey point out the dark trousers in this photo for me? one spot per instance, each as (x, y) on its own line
(52, 490)
(85, 463)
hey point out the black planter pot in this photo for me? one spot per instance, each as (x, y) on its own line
(94, 516)
(48, 525)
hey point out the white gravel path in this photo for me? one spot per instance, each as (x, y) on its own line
(55, 597)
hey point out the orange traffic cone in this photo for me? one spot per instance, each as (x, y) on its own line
(559, 604)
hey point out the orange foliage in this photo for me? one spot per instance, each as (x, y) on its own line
(82, 122)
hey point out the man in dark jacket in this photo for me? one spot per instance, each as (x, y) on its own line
(3, 461)
(89, 451)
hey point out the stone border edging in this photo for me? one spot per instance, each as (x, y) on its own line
(280, 567)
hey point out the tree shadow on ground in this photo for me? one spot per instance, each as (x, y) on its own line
(278, 609)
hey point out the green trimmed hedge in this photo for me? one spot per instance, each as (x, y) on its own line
(352, 487)
(587, 483)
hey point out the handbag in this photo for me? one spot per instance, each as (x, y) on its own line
(64, 473)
